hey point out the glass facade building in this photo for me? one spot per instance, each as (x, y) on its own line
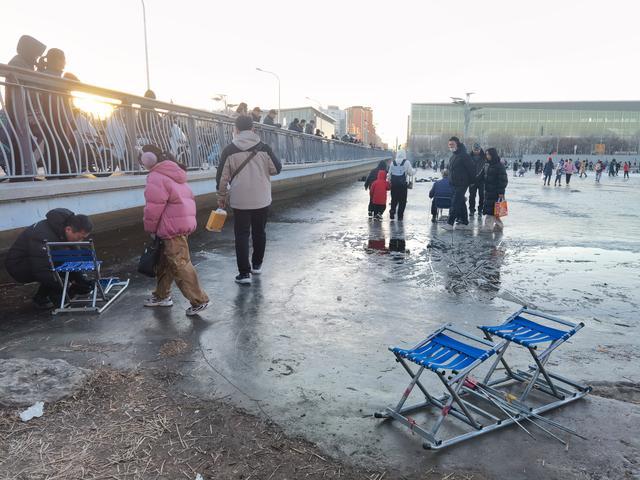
(530, 126)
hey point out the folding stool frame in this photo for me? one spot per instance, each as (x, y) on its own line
(440, 210)
(529, 338)
(452, 403)
(80, 257)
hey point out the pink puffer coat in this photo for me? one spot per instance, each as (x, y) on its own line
(170, 208)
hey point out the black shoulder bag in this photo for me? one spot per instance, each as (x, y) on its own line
(149, 258)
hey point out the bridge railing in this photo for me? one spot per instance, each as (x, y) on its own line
(54, 127)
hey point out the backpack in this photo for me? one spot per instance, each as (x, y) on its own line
(398, 179)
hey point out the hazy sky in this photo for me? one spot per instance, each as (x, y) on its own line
(382, 54)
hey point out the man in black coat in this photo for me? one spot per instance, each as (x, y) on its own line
(461, 174)
(477, 186)
(27, 260)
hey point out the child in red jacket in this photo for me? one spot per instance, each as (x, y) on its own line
(378, 192)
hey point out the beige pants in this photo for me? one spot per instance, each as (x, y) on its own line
(175, 264)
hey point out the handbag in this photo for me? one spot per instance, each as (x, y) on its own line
(501, 208)
(150, 257)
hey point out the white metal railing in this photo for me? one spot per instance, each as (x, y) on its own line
(56, 127)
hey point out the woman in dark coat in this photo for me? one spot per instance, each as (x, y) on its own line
(495, 183)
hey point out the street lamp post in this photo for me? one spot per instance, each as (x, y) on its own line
(221, 97)
(146, 45)
(466, 104)
(278, 78)
(315, 100)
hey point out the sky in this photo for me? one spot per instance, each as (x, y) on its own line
(385, 55)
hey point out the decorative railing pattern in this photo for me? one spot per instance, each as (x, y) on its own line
(54, 127)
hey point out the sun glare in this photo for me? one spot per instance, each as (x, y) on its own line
(94, 105)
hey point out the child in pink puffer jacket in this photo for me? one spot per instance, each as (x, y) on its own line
(170, 214)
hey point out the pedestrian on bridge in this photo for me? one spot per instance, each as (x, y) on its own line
(170, 214)
(244, 184)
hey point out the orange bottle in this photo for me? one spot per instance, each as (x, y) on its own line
(216, 220)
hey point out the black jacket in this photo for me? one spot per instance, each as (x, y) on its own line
(495, 183)
(462, 172)
(548, 168)
(478, 163)
(27, 260)
(373, 174)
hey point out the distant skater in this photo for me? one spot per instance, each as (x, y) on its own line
(548, 171)
(569, 168)
(599, 168)
(583, 169)
(559, 171)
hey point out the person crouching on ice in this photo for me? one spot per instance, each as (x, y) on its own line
(378, 192)
(170, 214)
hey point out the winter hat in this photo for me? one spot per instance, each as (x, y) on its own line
(476, 146)
(149, 160)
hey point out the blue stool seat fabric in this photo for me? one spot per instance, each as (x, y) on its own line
(76, 267)
(444, 353)
(527, 333)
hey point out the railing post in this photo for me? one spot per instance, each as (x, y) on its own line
(130, 127)
(193, 142)
(24, 134)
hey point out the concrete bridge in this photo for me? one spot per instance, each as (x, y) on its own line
(81, 142)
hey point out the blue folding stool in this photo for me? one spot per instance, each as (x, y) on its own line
(525, 328)
(80, 257)
(452, 361)
(441, 204)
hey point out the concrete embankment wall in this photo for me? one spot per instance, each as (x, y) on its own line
(115, 202)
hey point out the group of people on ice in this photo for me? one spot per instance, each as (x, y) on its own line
(480, 173)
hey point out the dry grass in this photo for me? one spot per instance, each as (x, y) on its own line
(127, 425)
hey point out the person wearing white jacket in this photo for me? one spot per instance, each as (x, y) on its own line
(400, 173)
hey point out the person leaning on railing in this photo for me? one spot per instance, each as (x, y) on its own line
(28, 51)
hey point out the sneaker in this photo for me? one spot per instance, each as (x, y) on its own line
(158, 302)
(447, 226)
(391, 216)
(196, 309)
(243, 278)
(434, 219)
(378, 216)
(256, 269)
(370, 214)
